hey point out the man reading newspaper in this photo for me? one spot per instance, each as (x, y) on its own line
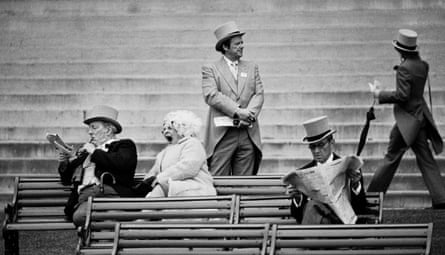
(329, 189)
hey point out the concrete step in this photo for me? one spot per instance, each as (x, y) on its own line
(253, 51)
(137, 117)
(121, 7)
(281, 164)
(407, 199)
(291, 130)
(205, 21)
(154, 100)
(167, 38)
(110, 68)
(271, 148)
(273, 83)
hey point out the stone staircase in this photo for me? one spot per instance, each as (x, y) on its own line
(58, 58)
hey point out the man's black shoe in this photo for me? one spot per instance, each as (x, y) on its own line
(439, 206)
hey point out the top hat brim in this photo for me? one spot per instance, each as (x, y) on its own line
(397, 46)
(315, 139)
(114, 122)
(218, 45)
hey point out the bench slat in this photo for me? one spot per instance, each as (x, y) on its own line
(351, 242)
(187, 251)
(211, 204)
(40, 226)
(250, 191)
(199, 243)
(44, 193)
(159, 214)
(352, 252)
(42, 185)
(42, 202)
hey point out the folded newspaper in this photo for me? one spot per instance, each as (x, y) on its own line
(327, 184)
(223, 121)
(55, 140)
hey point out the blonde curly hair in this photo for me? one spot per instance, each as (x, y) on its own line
(186, 123)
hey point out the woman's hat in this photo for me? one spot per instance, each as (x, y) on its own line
(406, 40)
(317, 129)
(224, 32)
(103, 113)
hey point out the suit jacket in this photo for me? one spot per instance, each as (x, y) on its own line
(410, 108)
(120, 160)
(224, 95)
(358, 201)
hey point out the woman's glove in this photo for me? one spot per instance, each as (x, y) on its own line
(144, 187)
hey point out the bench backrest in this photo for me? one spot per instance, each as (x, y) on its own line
(41, 199)
(38, 203)
(351, 239)
(258, 185)
(276, 209)
(143, 238)
(275, 239)
(103, 213)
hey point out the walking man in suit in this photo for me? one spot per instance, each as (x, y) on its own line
(414, 121)
(232, 88)
(320, 141)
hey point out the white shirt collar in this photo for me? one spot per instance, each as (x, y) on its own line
(229, 62)
(330, 159)
(104, 147)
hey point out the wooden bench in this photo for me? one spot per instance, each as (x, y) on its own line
(103, 213)
(179, 239)
(37, 205)
(275, 239)
(351, 239)
(276, 209)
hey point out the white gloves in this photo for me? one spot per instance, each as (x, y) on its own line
(375, 88)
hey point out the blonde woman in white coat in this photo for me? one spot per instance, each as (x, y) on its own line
(180, 168)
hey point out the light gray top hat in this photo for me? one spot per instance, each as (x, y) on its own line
(317, 129)
(406, 40)
(224, 32)
(103, 113)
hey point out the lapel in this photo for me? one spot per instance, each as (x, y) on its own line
(223, 68)
(242, 69)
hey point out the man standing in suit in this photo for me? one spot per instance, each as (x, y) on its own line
(232, 88)
(414, 121)
(320, 140)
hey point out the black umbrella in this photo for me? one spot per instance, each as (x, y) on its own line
(369, 116)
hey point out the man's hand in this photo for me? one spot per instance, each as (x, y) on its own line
(63, 156)
(88, 147)
(294, 193)
(245, 114)
(354, 175)
(375, 88)
(243, 123)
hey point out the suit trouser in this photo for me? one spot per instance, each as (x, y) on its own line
(80, 214)
(234, 154)
(428, 166)
(318, 213)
